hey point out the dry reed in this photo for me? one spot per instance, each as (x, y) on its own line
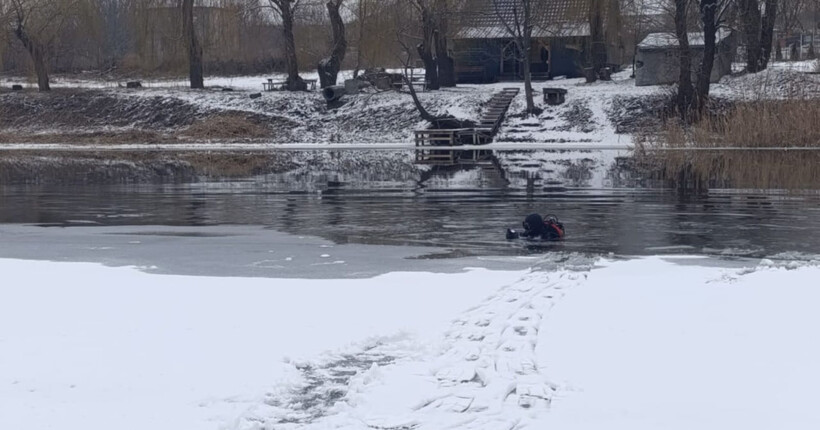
(758, 144)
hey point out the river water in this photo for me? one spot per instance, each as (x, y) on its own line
(461, 221)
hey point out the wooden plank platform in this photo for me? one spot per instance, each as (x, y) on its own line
(488, 126)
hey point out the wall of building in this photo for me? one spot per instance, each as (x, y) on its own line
(566, 58)
(661, 66)
(479, 60)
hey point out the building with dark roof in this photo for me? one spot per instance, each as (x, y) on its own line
(484, 47)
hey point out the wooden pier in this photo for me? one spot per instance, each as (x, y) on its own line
(488, 126)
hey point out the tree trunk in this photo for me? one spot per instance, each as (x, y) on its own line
(528, 92)
(360, 23)
(685, 91)
(192, 45)
(294, 81)
(425, 49)
(440, 122)
(446, 64)
(750, 25)
(37, 57)
(526, 48)
(419, 107)
(708, 14)
(767, 33)
(614, 32)
(596, 28)
(329, 67)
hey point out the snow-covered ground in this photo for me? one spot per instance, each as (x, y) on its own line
(589, 116)
(575, 343)
(89, 347)
(780, 80)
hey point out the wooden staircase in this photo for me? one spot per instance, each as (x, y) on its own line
(497, 108)
(488, 126)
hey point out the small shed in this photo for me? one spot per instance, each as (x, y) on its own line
(657, 61)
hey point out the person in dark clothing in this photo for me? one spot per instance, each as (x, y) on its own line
(537, 227)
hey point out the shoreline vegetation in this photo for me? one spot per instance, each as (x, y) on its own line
(693, 156)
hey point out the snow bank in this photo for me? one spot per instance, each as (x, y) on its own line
(672, 343)
(683, 342)
(667, 344)
(773, 83)
(83, 346)
(588, 116)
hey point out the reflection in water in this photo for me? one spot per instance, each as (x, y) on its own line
(465, 221)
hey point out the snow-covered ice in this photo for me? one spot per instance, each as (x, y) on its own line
(574, 343)
(83, 346)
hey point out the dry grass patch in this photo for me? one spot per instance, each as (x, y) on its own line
(89, 137)
(760, 144)
(227, 126)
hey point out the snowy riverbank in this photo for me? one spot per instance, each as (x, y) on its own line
(575, 343)
(88, 110)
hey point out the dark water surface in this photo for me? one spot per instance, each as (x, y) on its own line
(461, 222)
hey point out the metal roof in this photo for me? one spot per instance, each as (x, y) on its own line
(490, 19)
(667, 40)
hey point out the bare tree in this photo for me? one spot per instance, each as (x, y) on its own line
(614, 32)
(376, 25)
(427, 46)
(405, 38)
(789, 13)
(685, 96)
(37, 25)
(438, 121)
(516, 17)
(329, 67)
(285, 10)
(767, 32)
(708, 14)
(192, 45)
(433, 50)
(596, 30)
(445, 62)
(749, 14)
(117, 37)
(361, 17)
(713, 16)
(758, 31)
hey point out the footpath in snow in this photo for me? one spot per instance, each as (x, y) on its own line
(576, 343)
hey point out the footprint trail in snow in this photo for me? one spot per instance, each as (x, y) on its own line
(490, 374)
(487, 376)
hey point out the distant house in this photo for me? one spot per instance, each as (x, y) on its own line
(657, 61)
(484, 50)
